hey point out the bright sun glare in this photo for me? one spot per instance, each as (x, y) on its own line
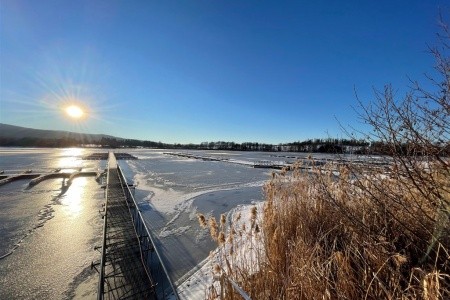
(74, 111)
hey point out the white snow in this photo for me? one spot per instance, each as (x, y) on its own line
(177, 231)
(170, 201)
(247, 248)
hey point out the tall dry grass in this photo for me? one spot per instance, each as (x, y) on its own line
(347, 237)
(356, 231)
(358, 236)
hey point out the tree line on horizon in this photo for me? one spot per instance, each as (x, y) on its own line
(328, 145)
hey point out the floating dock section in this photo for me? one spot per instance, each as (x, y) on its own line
(39, 177)
(258, 164)
(105, 156)
(130, 266)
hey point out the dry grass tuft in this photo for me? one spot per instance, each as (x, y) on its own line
(213, 228)
(202, 220)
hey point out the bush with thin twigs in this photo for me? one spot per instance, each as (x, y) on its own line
(356, 231)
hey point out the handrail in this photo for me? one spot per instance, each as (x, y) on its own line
(101, 281)
(238, 289)
(147, 231)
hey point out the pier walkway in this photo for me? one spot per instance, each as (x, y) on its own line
(130, 266)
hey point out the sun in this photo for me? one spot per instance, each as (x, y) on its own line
(74, 111)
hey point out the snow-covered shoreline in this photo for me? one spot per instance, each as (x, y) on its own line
(196, 285)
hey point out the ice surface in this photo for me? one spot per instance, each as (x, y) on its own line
(172, 190)
(48, 233)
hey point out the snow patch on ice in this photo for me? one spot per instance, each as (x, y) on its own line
(168, 200)
(176, 231)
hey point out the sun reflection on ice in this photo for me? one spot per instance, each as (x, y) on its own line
(71, 158)
(72, 199)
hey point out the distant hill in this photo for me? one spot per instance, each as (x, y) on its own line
(11, 132)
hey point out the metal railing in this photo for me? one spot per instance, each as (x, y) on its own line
(150, 255)
(101, 282)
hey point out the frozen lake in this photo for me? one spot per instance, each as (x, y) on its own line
(172, 190)
(48, 234)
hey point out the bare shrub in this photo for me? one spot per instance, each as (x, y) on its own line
(362, 231)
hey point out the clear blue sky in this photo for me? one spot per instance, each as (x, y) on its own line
(193, 71)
